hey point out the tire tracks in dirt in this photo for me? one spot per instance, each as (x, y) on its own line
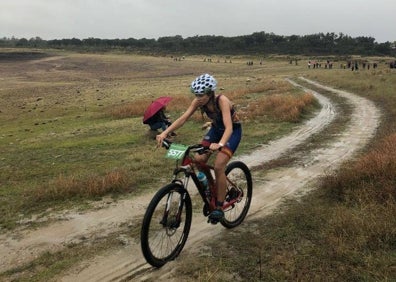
(128, 263)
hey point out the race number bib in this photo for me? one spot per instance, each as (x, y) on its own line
(176, 151)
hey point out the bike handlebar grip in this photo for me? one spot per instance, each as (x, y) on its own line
(202, 149)
(166, 143)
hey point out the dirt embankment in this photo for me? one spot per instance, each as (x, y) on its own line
(128, 263)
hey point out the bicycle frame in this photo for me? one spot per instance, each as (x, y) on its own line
(189, 166)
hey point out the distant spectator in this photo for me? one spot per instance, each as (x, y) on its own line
(159, 120)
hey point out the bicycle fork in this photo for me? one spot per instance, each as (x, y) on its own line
(173, 222)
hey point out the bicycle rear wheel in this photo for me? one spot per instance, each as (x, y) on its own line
(166, 224)
(239, 186)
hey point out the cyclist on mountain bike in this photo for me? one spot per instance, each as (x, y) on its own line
(224, 135)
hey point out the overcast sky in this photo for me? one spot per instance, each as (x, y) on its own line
(110, 19)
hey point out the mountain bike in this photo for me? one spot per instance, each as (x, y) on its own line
(167, 221)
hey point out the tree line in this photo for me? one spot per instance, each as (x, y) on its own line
(258, 42)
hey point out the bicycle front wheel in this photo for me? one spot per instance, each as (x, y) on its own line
(240, 187)
(166, 224)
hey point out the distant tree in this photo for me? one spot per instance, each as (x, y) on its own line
(255, 43)
(23, 42)
(384, 48)
(75, 42)
(171, 43)
(37, 42)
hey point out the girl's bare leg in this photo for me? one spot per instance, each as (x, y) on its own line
(221, 182)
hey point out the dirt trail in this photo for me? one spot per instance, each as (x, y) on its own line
(128, 263)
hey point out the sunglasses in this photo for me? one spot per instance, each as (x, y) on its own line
(200, 95)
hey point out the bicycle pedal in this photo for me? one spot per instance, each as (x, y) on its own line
(213, 221)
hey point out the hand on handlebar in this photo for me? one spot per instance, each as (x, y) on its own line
(215, 146)
(160, 138)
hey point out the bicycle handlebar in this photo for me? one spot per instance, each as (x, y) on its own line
(166, 143)
(199, 148)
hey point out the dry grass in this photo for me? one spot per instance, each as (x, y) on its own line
(285, 108)
(376, 180)
(274, 102)
(67, 187)
(366, 191)
(137, 107)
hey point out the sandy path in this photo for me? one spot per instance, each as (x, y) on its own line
(128, 263)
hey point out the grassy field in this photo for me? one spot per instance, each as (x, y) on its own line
(71, 124)
(71, 133)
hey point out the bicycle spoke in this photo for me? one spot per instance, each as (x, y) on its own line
(239, 193)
